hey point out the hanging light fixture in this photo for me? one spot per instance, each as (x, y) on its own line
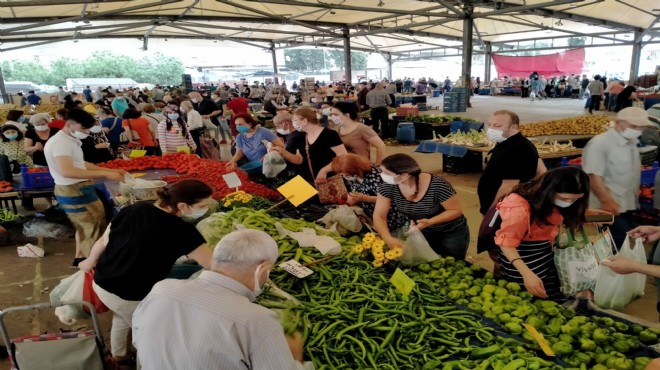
(380, 3)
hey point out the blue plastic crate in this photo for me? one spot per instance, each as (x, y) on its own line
(648, 176)
(37, 180)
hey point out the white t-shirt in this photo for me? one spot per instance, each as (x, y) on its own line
(64, 145)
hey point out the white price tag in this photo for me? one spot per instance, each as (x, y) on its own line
(296, 269)
(232, 180)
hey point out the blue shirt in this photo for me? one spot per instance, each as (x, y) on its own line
(33, 99)
(115, 132)
(119, 105)
(252, 147)
(88, 94)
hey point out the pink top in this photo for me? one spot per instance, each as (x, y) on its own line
(515, 214)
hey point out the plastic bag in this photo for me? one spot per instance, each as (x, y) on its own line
(39, 228)
(416, 249)
(69, 289)
(344, 219)
(273, 164)
(308, 238)
(616, 291)
(89, 295)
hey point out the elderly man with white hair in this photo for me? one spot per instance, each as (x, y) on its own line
(211, 322)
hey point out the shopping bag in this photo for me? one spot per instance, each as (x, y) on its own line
(416, 249)
(273, 164)
(577, 268)
(614, 290)
(69, 289)
(333, 191)
(602, 246)
(89, 295)
(344, 218)
(638, 254)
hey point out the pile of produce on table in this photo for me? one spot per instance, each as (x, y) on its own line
(436, 119)
(190, 166)
(367, 113)
(479, 138)
(456, 317)
(580, 125)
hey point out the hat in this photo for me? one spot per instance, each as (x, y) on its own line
(635, 116)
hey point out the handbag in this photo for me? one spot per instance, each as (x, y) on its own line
(576, 262)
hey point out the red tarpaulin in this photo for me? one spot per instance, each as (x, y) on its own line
(564, 63)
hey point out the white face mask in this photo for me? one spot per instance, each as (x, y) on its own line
(388, 179)
(629, 133)
(79, 135)
(298, 128)
(41, 127)
(495, 135)
(257, 289)
(197, 212)
(282, 131)
(562, 204)
(95, 129)
(194, 101)
(337, 120)
(326, 111)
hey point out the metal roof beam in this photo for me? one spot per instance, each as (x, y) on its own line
(78, 28)
(454, 9)
(522, 8)
(16, 4)
(551, 29)
(201, 33)
(245, 29)
(46, 22)
(585, 19)
(648, 30)
(635, 7)
(278, 17)
(319, 4)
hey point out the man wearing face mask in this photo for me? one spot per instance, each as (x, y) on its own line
(612, 161)
(74, 186)
(326, 108)
(211, 322)
(119, 104)
(514, 160)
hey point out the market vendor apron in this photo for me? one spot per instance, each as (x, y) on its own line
(539, 257)
(82, 206)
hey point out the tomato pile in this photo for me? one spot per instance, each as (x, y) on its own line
(5, 186)
(38, 170)
(192, 167)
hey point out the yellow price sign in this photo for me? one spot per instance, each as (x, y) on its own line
(543, 343)
(137, 153)
(297, 191)
(184, 149)
(402, 282)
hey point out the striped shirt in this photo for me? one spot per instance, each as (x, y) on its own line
(170, 140)
(429, 206)
(208, 323)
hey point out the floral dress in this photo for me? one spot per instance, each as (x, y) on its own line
(15, 151)
(369, 186)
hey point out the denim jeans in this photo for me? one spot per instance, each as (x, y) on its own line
(453, 243)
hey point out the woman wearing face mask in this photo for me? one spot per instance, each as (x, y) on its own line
(173, 133)
(13, 145)
(134, 122)
(35, 139)
(358, 138)
(363, 179)
(428, 200)
(96, 147)
(16, 118)
(250, 145)
(140, 247)
(312, 152)
(194, 121)
(112, 127)
(531, 216)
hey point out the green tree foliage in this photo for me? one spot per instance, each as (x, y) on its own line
(306, 60)
(155, 69)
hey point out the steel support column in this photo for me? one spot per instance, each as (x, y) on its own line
(636, 57)
(489, 60)
(348, 71)
(273, 52)
(3, 90)
(468, 27)
(389, 67)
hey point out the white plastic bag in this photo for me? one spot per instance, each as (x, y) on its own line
(344, 219)
(273, 164)
(69, 289)
(616, 291)
(416, 249)
(308, 238)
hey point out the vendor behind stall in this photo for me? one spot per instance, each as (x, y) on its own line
(74, 186)
(428, 200)
(36, 138)
(250, 146)
(140, 247)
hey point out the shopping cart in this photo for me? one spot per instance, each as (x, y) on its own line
(57, 351)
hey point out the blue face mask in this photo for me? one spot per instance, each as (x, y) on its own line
(173, 116)
(242, 129)
(12, 136)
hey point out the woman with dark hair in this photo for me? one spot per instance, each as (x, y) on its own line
(363, 179)
(250, 146)
(112, 126)
(133, 122)
(428, 200)
(312, 152)
(173, 132)
(626, 97)
(140, 247)
(531, 216)
(13, 145)
(357, 137)
(16, 118)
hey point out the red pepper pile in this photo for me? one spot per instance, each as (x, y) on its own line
(192, 167)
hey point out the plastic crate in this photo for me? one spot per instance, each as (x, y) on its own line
(648, 176)
(471, 162)
(646, 204)
(407, 111)
(37, 180)
(648, 155)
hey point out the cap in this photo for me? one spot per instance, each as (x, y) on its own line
(635, 116)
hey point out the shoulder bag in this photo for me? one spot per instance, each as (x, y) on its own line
(123, 137)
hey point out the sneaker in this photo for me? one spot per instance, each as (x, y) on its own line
(76, 261)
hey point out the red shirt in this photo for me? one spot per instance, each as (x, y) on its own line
(517, 225)
(238, 105)
(141, 126)
(58, 124)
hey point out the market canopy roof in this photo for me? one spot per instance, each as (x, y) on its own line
(404, 29)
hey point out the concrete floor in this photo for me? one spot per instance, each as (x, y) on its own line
(25, 281)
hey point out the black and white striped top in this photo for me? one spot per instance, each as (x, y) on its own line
(429, 206)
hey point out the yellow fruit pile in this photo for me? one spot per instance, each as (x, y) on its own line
(236, 197)
(372, 242)
(580, 125)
